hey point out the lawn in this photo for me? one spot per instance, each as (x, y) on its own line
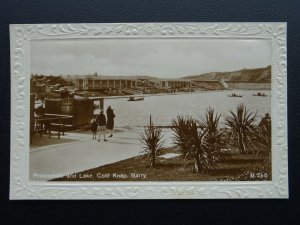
(232, 167)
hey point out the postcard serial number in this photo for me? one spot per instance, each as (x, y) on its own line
(260, 175)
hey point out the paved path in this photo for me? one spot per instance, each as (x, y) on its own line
(76, 152)
(83, 153)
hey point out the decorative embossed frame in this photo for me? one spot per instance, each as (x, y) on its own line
(22, 188)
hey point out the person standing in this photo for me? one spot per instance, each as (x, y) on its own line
(101, 120)
(265, 121)
(94, 128)
(110, 120)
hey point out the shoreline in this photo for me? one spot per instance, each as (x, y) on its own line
(177, 93)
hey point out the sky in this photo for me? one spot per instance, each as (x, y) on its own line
(162, 58)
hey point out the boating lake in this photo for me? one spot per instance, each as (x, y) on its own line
(164, 108)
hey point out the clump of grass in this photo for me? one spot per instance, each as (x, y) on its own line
(152, 139)
(214, 139)
(183, 128)
(200, 140)
(242, 129)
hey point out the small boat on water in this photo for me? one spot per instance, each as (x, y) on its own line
(260, 94)
(133, 98)
(235, 95)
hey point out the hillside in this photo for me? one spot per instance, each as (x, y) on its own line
(72, 78)
(245, 75)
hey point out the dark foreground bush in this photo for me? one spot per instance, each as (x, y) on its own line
(241, 124)
(200, 141)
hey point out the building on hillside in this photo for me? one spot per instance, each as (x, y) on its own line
(103, 83)
(175, 83)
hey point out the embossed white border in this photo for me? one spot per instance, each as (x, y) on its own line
(22, 188)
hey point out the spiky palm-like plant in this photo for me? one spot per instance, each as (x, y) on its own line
(199, 140)
(183, 127)
(242, 128)
(213, 141)
(188, 138)
(152, 139)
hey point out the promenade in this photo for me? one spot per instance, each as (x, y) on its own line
(76, 152)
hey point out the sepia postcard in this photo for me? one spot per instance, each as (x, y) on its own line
(149, 111)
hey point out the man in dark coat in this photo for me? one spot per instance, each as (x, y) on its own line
(110, 120)
(265, 121)
(101, 120)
